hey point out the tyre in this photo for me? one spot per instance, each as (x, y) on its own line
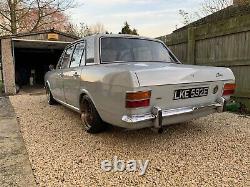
(49, 95)
(90, 117)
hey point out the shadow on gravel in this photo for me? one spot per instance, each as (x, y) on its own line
(192, 129)
(147, 134)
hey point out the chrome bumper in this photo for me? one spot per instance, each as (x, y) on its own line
(157, 113)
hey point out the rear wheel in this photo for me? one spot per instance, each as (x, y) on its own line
(90, 117)
(49, 95)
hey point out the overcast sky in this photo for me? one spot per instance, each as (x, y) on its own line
(150, 17)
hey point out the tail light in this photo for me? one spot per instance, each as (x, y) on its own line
(138, 99)
(229, 89)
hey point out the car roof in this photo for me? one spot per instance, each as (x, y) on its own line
(97, 36)
(126, 36)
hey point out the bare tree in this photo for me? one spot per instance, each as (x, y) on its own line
(212, 6)
(187, 17)
(97, 28)
(79, 30)
(82, 29)
(31, 15)
(207, 7)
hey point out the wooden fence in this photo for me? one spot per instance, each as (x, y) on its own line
(222, 39)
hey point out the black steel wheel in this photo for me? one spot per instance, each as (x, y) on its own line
(90, 117)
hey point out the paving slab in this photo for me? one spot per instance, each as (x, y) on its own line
(15, 168)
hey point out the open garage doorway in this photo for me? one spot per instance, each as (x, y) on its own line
(32, 61)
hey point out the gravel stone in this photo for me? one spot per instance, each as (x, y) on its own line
(210, 151)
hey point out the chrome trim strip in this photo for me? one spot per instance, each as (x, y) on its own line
(136, 91)
(169, 113)
(137, 118)
(130, 100)
(68, 105)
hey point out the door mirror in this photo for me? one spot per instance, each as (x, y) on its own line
(51, 67)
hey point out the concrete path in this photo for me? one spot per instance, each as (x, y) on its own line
(15, 168)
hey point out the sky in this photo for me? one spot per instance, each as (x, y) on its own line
(152, 18)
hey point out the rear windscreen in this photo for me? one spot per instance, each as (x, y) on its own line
(133, 50)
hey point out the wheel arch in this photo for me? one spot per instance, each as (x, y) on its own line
(83, 93)
(47, 83)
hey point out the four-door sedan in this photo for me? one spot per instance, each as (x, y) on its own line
(134, 82)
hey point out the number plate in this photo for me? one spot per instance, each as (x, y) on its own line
(190, 93)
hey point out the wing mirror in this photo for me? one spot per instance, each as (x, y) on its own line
(51, 67)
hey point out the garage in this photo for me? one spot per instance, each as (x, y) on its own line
(27, 57)
(32, 60)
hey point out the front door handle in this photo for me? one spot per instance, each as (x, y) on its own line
(76, 75)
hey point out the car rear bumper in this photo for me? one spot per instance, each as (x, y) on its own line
(158, 117)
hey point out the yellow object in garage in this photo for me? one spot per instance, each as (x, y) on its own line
(53, 36)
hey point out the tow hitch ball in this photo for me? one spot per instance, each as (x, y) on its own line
(158, 120)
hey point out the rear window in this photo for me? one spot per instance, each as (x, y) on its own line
(133, 50)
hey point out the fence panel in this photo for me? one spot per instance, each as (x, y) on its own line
(224, 42)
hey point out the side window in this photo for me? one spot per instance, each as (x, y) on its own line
(77, 55)
(59, 64)
(66, 57)
(90, 51)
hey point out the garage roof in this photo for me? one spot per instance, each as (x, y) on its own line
(39, 44)
(40, 32)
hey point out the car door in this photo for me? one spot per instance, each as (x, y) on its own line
(72, 76)
(61, 69)
(55, 81)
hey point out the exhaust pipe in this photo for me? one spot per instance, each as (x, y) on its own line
(157, 111)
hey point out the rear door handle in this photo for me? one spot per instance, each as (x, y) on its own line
(60, 74)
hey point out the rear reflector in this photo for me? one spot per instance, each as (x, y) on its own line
(138, 95)
(137, 104)
(229, 89)
(228, 92)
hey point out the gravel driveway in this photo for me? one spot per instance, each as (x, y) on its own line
(210, 151)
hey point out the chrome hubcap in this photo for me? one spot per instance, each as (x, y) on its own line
(87, 113)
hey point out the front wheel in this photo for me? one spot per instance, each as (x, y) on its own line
(90, 117)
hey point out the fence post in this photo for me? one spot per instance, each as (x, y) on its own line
(191, 46)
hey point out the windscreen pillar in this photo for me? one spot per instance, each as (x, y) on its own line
(8, 67)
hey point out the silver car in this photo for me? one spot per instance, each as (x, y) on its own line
(134, 82)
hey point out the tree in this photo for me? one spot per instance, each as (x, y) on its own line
(187, 17)
(82, 29)
(126, 30)
(207, 7)
(79, 30)
(32, 15)
(97, 28)
(212, 6)
(57, 20)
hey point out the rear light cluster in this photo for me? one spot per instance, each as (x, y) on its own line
(138, 99)
(229, 89)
